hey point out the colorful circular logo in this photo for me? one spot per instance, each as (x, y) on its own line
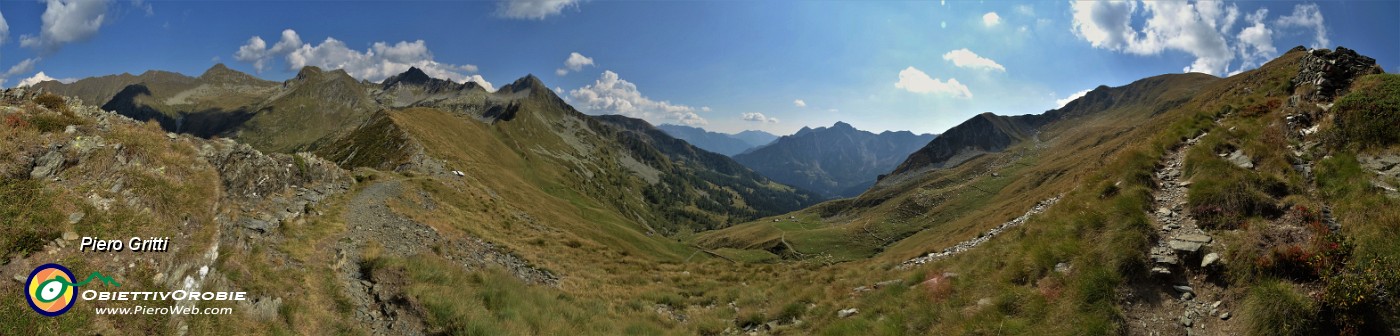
(49, 290)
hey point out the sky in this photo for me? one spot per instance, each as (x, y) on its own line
(726, 66)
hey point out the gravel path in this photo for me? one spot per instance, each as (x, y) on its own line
(1180, 297)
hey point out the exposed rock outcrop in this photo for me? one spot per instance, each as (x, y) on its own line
(1330, 72)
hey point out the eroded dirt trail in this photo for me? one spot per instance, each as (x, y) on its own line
(1181, 295)
(379, 296)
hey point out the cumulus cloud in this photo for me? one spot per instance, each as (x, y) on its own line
(66, 21)
(532, 9)
(375, 64)
(964, 58)
(759, 117)
(39, 78)
(614, 95)
(913, 80)
(1169, 25)
(575, 62)
(1256, 41)
(991, 19)
(255, 51)
(799, 103)
(1307, 16)
(1205, 29)
(1060, 103)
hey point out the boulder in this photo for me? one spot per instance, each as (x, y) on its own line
(48, 165)
(1239, 159)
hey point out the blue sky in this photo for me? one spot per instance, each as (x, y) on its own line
(722, 65)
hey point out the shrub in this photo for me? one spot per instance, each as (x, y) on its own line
(52, 102)
(1367, 116)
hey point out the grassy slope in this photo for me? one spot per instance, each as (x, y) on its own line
(951, 205)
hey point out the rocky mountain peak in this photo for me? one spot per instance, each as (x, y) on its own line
(414, 75)
(529, 82)
(309, 71)
(220, 73)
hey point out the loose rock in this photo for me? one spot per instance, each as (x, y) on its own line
(1210, 259)
(848, 312)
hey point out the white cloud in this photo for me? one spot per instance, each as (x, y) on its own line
(1105, 24)
(759, 117)
(1217, 15)
(991, 19)
(964, 58)
(913, 80)
(1179, 26)
(799, 103)
(1256, 42)
(575, 62)
(1060, 103)
(1308, 16)
(66, 21)
(39, 78)
(375, 64)
(532, 9)
(612, 94)
(23, 67)
(4, 29)
(290, 41)
(254, 51)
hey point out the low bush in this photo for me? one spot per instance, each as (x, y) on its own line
(1367, 116)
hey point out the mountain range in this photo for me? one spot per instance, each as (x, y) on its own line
(837, 161)
(723, 143)
(358, 123)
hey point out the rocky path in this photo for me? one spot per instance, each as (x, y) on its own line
(972, 243)
(379, 298)
(1182, 296)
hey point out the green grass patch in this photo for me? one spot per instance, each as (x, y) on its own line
(1367, 116)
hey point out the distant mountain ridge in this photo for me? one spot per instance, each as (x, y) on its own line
(410, 121)
(988, 132)
(727, 144)
(836, 161)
